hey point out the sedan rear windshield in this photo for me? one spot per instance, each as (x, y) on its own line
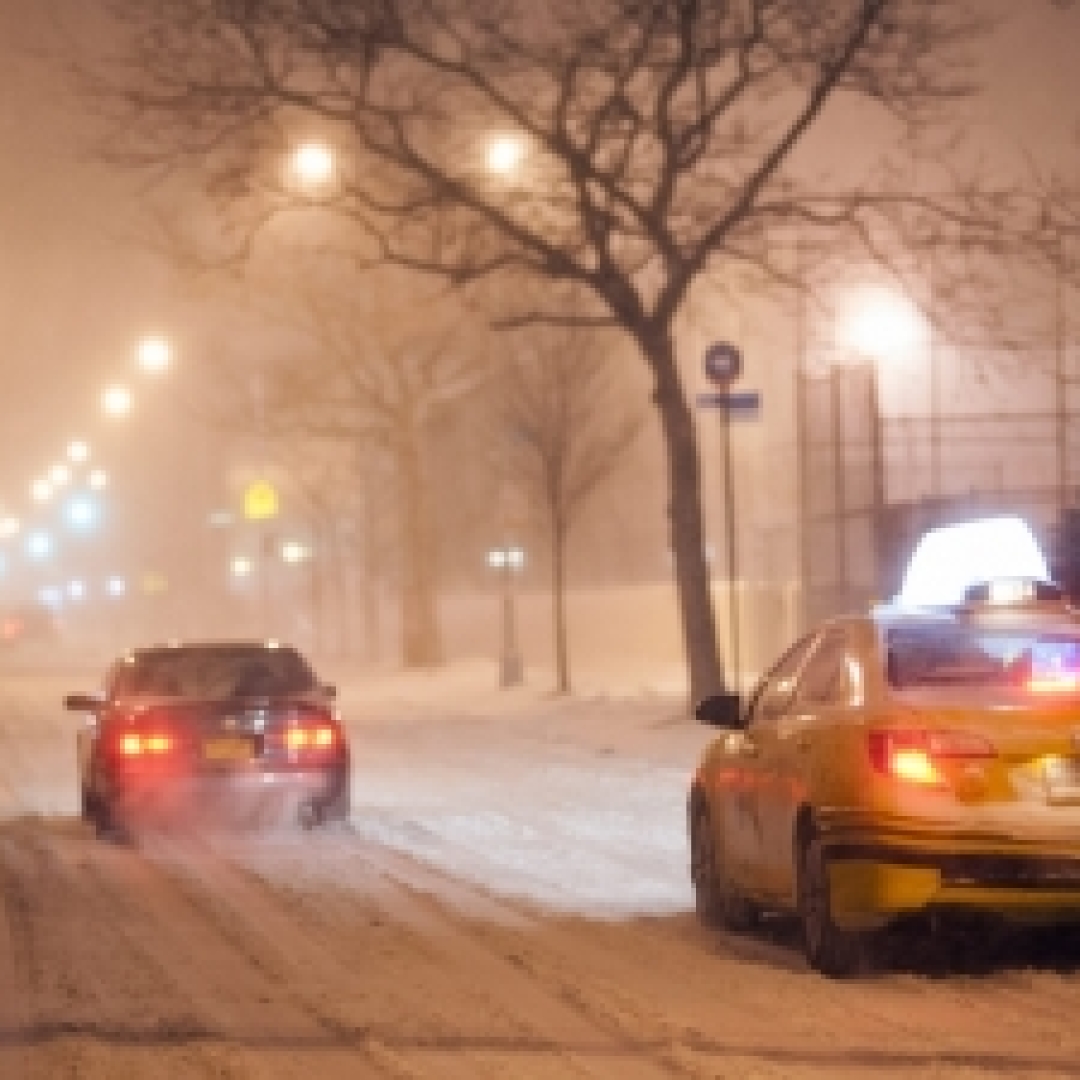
(974, 656)
(213, 672)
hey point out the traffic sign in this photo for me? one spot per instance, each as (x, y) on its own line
(260, 501)
(723, 363)
(736, 403)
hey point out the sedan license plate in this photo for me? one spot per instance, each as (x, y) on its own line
(228, 750)
(1062, 778)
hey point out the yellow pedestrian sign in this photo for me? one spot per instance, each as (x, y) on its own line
(260, 501)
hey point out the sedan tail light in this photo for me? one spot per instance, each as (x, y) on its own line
(311, 733)
(916, 757)
(131, 744)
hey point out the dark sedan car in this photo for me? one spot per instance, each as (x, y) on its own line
(196, 728)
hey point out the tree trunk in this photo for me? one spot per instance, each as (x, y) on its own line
(685, 519)
(421, 645)
(558, 598)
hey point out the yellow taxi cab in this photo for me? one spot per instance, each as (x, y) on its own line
(912, 760)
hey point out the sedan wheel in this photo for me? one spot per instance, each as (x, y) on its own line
(717, 901)
(829, 949)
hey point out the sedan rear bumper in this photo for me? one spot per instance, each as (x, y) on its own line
(255, 796)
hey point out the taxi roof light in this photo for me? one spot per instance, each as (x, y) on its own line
(997, 559)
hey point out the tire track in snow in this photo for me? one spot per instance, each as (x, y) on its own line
(539, 1025)
(16, 964)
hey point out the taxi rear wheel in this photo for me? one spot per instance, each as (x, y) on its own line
(828, 949)
(717, 900)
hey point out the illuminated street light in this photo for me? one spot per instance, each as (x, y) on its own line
(9, 527)
(116, 586)
(882, 323)
(39, 545)
(81, 513)
(313, 165)
(51, 597)
(242, 566)
(292, 551)
(59, 476)
(78, 451)
(76, 589)
(505, 154)
(41, 491)
(508, 561)
(116, 401)
(154, 355)
(98, 480)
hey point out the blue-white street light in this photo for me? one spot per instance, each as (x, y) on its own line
(39, 545)
(81, 513)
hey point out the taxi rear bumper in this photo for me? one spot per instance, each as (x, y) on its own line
(879, 873)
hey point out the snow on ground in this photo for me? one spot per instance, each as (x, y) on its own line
(509, 899)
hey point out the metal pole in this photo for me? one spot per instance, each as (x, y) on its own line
(802, 448)
(935, 391)
(839, 493)
(1060, 384)
(732, 555)
(510, 668)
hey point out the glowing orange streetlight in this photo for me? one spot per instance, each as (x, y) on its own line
(116, 401)
(154, 354)
(312, 165)
(505, 154)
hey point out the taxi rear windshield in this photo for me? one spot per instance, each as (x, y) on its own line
(972, 656)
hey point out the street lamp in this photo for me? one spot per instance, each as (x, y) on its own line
(41, 490)
(59, 476)
(78, 451)
(39, 545)
(505, 154)
(312, 165)
(81, 513)
(116, 401)
(154, 355)
(9, 527)
(292, 551)
(98, 480)
(241, 567)
(508, 561)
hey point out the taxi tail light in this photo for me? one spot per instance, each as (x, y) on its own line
(915, 756)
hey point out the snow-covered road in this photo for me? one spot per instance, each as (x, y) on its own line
(509, 900)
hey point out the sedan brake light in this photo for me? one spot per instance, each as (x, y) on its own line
(915, 756)
(142, 743)
(321, 737)
(310, 732)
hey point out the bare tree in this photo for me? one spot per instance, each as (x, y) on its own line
(567, 423)
(378, 388)
(658, 137)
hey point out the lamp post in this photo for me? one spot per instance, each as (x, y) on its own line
(508, 561)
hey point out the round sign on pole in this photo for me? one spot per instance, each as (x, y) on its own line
(723, 363)
(260, 501)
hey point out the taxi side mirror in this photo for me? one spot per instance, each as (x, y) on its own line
(720, 710)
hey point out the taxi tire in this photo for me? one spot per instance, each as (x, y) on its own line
(829, 950)
(717, 901)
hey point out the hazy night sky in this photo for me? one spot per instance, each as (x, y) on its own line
(73, 300)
